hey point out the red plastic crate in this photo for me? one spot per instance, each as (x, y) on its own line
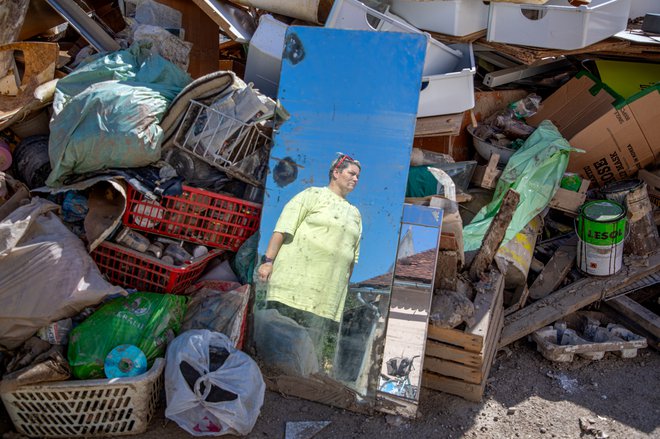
(196, 216)
(132, 269)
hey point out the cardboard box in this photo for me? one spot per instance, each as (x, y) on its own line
(619, 137)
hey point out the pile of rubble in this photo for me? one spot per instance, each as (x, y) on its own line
(135, 155)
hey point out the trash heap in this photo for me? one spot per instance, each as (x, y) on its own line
(134, 149)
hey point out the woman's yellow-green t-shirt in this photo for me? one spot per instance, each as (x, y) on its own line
(322, 242)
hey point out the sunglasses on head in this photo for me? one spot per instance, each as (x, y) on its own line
(342, 159)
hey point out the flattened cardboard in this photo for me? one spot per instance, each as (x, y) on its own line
(619, 138)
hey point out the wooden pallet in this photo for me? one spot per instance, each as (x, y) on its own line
(458, 361)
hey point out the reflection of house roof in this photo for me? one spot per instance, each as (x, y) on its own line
(419, 267)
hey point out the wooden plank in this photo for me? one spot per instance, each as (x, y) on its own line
(555, 270)
(487, 176)
(445, 352)
(644, 317)
(450, 39)
(448, 125)
(472, 343)
(485, 304)
(202, 32)
(575, 296)
(519, 298)
(452, 369)
(652, 340)
(452, 353)
(469, 391)
(494, 235)
(529, 55)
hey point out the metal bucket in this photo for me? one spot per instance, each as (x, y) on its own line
(601, 230)
(642, 229)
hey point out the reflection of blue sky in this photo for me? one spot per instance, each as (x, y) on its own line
(354, 92)
(424, 238)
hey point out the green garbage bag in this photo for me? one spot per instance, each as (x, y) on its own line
(535, 172)
(106, 113)
(146, 320)
(245, 260)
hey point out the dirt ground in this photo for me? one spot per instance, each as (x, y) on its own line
(527, 397)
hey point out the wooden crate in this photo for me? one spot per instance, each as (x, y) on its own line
(458, 361)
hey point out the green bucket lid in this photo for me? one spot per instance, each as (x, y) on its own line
(603, 211)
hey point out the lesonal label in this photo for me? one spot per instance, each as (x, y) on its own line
(604, 235)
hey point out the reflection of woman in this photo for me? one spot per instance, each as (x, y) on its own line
(316, 242)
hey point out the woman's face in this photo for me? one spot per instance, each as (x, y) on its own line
(347, 178)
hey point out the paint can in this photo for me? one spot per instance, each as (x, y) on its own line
(601, 230)
(518, 252)
(619, 190)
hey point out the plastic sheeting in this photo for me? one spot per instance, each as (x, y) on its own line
(535, 172)
(106, 112)
(45, 273)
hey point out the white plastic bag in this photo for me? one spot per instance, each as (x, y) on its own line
(207, 400)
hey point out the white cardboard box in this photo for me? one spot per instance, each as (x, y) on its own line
(556, 24)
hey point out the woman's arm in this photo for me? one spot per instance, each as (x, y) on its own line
(273, 249)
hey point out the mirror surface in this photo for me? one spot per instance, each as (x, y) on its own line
(329, 224)
(412, 291)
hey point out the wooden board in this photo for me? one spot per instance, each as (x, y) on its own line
(202, 32)
(448, 125)
(644, 317)
(529, 55)
(451, 353)
(469, 391)
(486, 176)
(652, 340)
(451, 39)
(555, 270)
(455, 337)
(463, 370)
(575, 296)
(318, 388)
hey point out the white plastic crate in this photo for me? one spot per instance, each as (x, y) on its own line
(449, 17)
(557, 25)
(639, 8)
(451, 92)
(353, 15)
(103, 407)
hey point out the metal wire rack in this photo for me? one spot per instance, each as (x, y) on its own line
(222, 141)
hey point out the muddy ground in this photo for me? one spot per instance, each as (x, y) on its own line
(527, 397)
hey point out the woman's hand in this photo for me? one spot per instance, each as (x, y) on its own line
(264, 271)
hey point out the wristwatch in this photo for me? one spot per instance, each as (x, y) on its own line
(266, 260)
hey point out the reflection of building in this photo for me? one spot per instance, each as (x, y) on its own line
(417, 268)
